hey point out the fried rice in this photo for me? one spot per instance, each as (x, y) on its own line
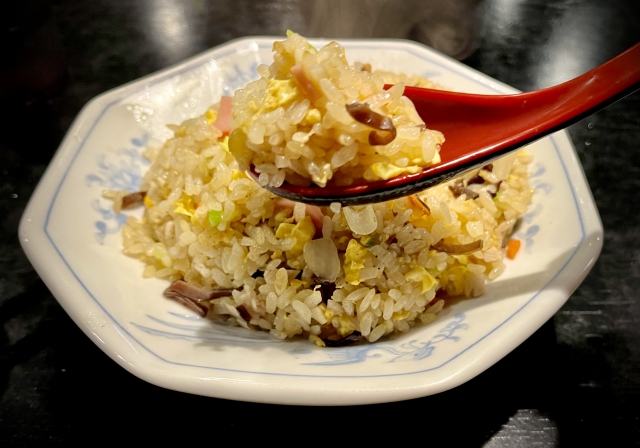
(313, 118)
(233, 251)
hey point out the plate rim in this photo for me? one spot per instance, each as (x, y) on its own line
(26, 234)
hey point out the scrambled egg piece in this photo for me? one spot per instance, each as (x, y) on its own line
(388, 170)
(316, 340)
(279, 93)
(211, 116)
(354, 261)
(224, 144)
(400, 316)
(328, 314)
(235, 174)
(326, 175)
(302, 232)
(297, 283)
(346, 326)
(184, 206)
(420, 274)
(313, 116)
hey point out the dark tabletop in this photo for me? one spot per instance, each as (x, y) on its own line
(575, 382)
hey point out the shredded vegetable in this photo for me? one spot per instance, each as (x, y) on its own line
(458, 249)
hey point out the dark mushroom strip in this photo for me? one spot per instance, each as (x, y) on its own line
(385, 131)
(199, 308)
(493, 195)
(477, 179)
(351, 339)
(470, 194)
(458, 249)
(198, 294)
(133, 199)
(326, 290)
(194, 298)
(458, 189)
(244, 313)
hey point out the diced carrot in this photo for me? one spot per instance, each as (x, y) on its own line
(512, 249)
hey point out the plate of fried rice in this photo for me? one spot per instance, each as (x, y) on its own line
(153, 230)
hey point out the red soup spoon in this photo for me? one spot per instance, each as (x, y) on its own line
(481, 128)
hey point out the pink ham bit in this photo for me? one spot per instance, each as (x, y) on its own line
(307, 86)
(223, 120)
(311, 211)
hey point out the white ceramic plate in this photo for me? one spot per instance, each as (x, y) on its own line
(71, 236)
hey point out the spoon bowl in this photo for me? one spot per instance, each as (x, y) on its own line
(482, 128)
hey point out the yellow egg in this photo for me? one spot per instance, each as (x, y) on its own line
(316, 340)
(389, 170)
(400, 316)
(420, 274)
(279, 93)
(328, 314)
(184, 206)
(346, 326)
(313, 116)
(302, 232)
(211, 116)
(224, 144)
(354, 261)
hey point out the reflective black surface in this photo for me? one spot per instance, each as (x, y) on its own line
(575, 382)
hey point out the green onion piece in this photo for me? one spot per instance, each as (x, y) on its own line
(215, 216)
(311, 47)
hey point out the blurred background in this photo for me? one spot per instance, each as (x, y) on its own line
(576, 382)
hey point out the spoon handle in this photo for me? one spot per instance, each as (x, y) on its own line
(597, 88)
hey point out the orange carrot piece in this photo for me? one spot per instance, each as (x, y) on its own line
(512, 249)
(419, 204)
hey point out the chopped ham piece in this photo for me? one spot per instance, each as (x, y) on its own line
(307, 86)
(223, 120)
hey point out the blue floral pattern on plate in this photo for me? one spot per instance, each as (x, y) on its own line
(190, 328)
(527, 230)
(239, 77)
(413, 350)
(124, 174)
